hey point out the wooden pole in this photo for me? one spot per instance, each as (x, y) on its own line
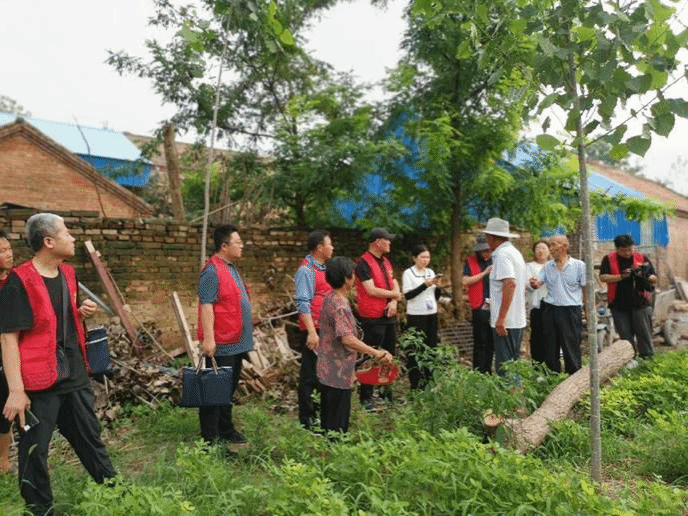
(114, 296)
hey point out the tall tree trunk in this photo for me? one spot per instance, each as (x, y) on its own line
(173, 172)
(456, 264)
(586, 232)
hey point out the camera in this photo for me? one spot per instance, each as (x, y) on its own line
(642, 274)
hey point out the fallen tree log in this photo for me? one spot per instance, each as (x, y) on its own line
(526, 434)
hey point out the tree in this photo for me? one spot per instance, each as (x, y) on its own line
(463, 95)
(592, 59)
(9, 105)
(276, 99)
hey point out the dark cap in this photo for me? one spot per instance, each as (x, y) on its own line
(377, 233)
(481, 243)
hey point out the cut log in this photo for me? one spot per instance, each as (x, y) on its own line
(528, 433)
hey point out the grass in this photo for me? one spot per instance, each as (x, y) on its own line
(427, 456)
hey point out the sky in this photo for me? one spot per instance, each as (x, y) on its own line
(53, 63)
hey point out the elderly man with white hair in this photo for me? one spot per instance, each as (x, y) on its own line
(507, 292)
(45, 360)
(562, 307)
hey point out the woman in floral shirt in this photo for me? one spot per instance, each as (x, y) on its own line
(338, 347)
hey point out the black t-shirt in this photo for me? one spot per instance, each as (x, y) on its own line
(16, 316)
(628, 290)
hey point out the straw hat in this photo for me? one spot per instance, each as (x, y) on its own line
(499, 227)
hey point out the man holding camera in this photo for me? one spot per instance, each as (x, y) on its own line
(630, 279)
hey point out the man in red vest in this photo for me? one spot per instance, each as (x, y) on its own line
(311, 289)
(476, 279)
(630, 279)
(377, 294)
(225, 326)
(44, 356)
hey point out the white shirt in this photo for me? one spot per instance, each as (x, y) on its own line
(534, 296)
(507, 262)
(424, 303)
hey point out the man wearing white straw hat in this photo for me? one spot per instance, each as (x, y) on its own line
(508, 280)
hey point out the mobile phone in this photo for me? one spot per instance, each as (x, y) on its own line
(30, 420)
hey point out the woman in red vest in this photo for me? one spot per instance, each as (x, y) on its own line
(476, 280)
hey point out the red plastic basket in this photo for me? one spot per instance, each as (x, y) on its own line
(373, 373)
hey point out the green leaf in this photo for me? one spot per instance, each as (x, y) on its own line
(663, 123)
(287, 38)
(619, 151)
(638, 145)
(547, 142)
(678, 107)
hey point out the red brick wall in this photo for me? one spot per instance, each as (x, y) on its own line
(33, 176)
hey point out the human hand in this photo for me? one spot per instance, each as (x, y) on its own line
(87, 309)
(534, 283)
(391, 310)
(17, 404)
(312, 340)
(500, 328)
(385, 357)
(209, 347)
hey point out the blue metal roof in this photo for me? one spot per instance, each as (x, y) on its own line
(105, 143)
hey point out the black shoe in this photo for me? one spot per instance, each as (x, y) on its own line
(236, 438)
(369, 407)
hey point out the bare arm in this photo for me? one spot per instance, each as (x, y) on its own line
(467, 281)
(508, 289)
(374, 291)
(354, 344)
(208, 325)
(17, 401)
(312, 340)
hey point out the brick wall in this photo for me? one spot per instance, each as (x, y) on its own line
(150, 259)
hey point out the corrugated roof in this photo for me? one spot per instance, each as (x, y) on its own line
(105, 143)
(606, 185)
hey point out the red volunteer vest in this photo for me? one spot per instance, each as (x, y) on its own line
(38, 346)
(475, 291)
(227, 307)
(322, 287)
(613, 258)
(368, 306)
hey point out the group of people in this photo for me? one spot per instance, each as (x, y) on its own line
(501, 287)
(332, 336)
(45, 382)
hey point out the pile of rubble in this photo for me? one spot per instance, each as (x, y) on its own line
(148, 374)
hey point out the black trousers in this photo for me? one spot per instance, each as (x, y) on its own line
(335, 408)
(483, 341)
(537, 339)
(420, 375)
(561, 327)
(308, 382)
(74, 417)
(216, 422)
(635, 326)
(381, 336)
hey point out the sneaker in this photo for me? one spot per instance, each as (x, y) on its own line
(236, 438)
(369, 407)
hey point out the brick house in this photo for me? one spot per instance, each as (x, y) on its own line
(38, 172)
(671, 260)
